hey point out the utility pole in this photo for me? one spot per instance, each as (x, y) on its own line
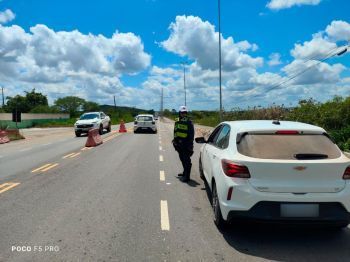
(162, 102)
(115, 105)
(184, 67)
(219, 12)
(3, 98)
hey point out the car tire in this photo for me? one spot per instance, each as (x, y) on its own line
(109, 128)
(100, 130)
(77, 134)
(155, 132)
(218, 219)
(201, 173)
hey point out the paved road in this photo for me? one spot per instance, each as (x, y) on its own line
(122, 201)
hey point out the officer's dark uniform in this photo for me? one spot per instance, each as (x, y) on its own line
(183, 144)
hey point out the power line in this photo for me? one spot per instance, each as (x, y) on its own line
(328, 55)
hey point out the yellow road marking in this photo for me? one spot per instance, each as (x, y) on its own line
(164, 215)
(7, 186)
(68, 155)
(42, 167)
(84, 148)
(161, 158)
(50, 167)
(162, 175)
(74, 155)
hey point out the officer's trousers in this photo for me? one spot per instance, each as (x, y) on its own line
(185, 158)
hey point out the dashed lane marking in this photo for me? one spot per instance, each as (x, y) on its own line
(74, 155)
(161, 159)
(7, 186)
(68, 155)
(49, 167)
(42, 167)
(164, 215)
(162, 175)
(160, 148)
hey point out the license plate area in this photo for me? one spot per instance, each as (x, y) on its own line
(300, 210)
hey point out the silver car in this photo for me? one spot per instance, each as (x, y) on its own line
(145, 123)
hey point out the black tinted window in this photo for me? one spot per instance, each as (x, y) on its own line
(223, 137)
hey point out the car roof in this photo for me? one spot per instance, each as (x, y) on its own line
(267, 125)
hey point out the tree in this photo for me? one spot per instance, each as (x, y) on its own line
(26, 103)
(70, 104)
(18, 102)
(91, 106)
(35, 99)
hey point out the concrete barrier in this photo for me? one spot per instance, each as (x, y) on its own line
(94, 138)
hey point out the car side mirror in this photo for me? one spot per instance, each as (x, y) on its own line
(200, 140)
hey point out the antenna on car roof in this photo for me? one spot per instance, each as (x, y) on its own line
(276, 122)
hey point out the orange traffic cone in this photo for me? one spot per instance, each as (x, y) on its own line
(122, 128)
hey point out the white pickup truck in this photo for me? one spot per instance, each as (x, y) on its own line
(91, 120)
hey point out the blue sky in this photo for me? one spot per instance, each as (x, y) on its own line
(271, 30)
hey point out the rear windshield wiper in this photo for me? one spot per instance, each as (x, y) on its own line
(306, 156)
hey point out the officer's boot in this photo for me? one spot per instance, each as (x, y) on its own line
(187, 173)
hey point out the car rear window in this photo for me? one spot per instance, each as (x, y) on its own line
(144, 118)
(274, 146)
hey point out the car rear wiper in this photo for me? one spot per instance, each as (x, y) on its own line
(240, 137)
(306, 156)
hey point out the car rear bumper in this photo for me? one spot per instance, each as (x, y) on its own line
(145, 128)
(245, 200)
(265, 211)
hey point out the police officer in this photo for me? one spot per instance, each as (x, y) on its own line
(183, 142)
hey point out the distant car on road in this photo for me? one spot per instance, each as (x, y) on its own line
(145, 123)
(91, 120)
(275, 171)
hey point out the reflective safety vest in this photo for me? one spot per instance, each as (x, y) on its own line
(181, 128)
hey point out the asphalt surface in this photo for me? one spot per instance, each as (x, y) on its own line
(122, 201)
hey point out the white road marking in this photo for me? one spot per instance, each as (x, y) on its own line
(164, 215)
(168, 183)
(47, 144)
(161, 158)
(162, 175)
(160, 148)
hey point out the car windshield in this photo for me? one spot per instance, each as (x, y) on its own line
(144, 118)
(88, 116)
(273, 146)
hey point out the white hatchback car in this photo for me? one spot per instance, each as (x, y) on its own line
(275, 171)
(145, 123)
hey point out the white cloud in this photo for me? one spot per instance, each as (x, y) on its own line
(315, 72)
(65, 63)
(317, 48)
(275, 59)
(6, 16)
(191, 36)
(339, 30)
(283, 4)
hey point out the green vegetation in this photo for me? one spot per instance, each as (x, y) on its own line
(333, 116)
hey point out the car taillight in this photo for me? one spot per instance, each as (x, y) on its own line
(346, 175)
(135, 122)
(234, 170)
(287, 132)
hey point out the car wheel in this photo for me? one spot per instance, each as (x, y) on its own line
(109, 128)
(155, 132)
(100, 131)
(77, 134)
(218, 219)
(201, 173)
